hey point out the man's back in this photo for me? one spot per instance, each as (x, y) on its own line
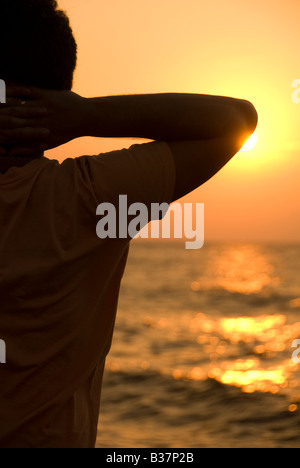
(59, 282)
(59, 286)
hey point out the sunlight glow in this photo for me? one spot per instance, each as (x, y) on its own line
(250, 143)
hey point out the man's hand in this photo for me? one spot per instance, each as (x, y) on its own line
(34, 120)
(18, 124)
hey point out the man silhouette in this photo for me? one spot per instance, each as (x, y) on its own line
(59, 283)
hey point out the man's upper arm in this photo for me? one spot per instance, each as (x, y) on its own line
(196, 161)
(144, 172)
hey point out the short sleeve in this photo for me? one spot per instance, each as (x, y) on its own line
(143, 172)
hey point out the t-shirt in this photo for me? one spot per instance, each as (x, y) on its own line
(59, 287)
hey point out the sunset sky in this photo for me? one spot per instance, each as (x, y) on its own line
(235, 48)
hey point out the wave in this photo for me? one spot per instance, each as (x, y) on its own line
(226, 413)
(263, 297)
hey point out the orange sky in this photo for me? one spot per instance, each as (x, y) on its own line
(236, 48)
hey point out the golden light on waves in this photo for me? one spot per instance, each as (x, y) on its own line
(239, 270)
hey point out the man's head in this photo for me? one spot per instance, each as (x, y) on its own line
(37, 44)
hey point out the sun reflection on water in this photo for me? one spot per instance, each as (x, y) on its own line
(267, 368)
(246, 344)
(262, 328)
(243, 270)
(251, 379)
(267, 337)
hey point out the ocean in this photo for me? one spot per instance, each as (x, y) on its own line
(202, 350)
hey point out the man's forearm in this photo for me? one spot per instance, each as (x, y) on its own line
(170, 116)
(164, 117)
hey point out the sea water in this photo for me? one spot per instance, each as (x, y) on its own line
(202, 350)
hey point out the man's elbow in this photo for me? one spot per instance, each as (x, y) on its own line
(250, 115)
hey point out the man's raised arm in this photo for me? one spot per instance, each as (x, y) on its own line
(169, 116)
(202, 131)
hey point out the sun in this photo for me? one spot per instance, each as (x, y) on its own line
(250, 143)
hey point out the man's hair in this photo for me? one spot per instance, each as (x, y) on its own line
(37, 46)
